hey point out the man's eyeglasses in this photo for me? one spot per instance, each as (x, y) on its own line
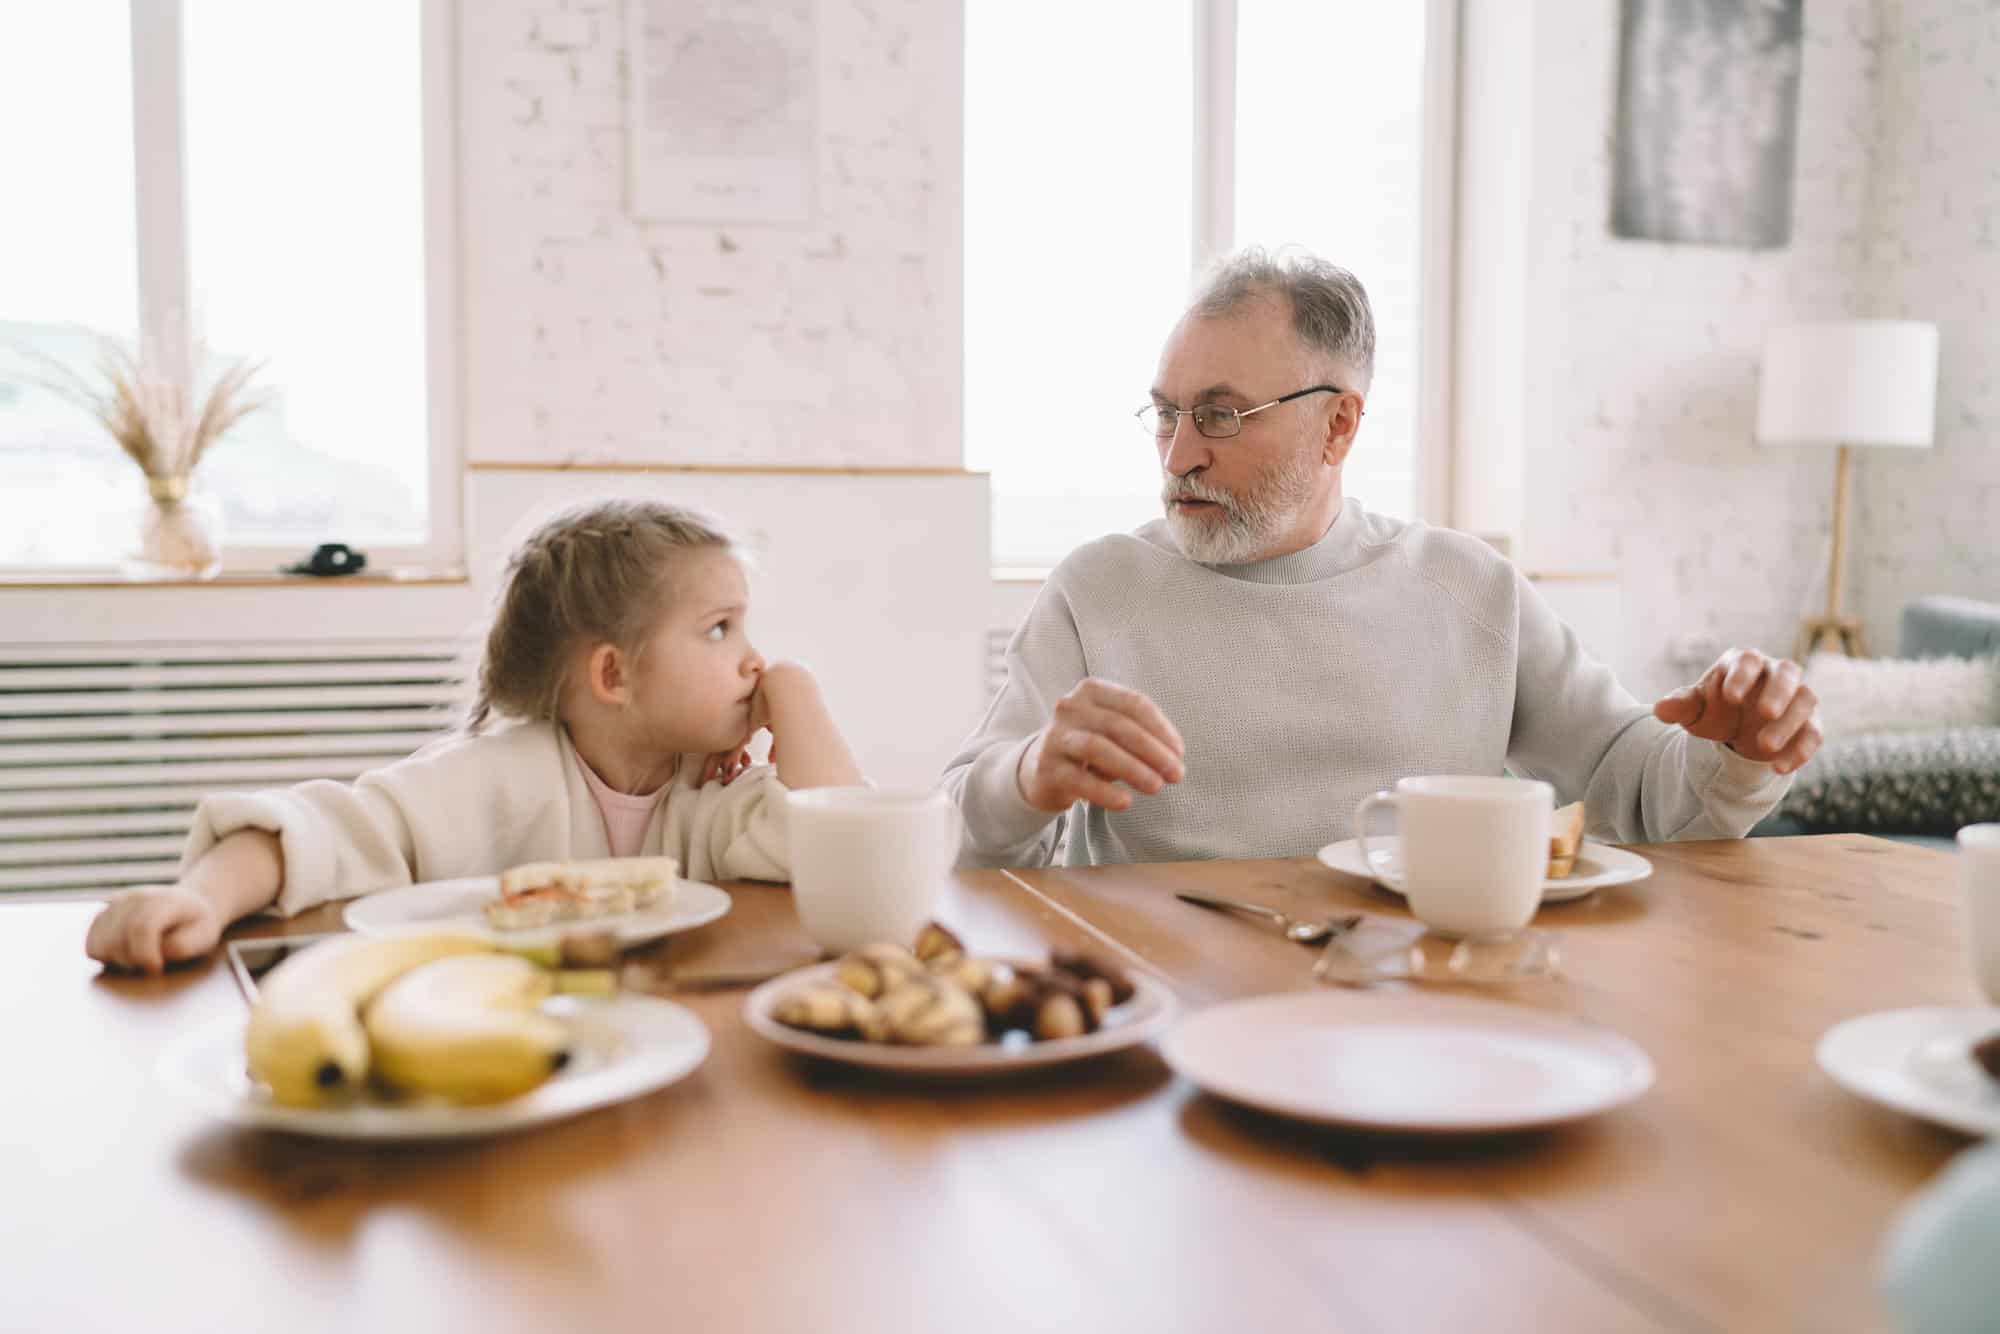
(1214, 420)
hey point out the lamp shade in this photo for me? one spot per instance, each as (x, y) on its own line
(1849, 382)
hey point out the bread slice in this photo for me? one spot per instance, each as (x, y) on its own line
(1566, 831)
(542, 893)
(1565, 837)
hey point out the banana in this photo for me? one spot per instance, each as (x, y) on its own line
(465, 1028)
(305, 1039)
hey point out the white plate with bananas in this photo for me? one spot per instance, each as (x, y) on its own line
(622, 1048)
(426, 1035)
(459, 905)
(1144, 1015)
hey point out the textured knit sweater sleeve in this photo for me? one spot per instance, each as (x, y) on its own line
(1303, 683)
(460, 806)
(466, 806)
(1640, 779)
(1045, 661)
(733, 832)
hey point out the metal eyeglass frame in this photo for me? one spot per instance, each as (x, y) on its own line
(1208, 415)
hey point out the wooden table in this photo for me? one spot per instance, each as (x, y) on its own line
(1744, 1192)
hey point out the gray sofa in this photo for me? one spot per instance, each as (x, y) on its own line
(1932, 627)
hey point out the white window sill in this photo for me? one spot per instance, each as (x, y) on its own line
(1029, 574)
(113, 578)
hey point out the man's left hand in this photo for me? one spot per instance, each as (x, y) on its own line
(1759, 707)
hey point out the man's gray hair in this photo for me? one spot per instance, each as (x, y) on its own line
(1329, 305)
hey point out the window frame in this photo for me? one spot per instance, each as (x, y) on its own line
(159, 150)
(1213, 144)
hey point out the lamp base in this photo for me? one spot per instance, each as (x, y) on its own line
(1831, 634)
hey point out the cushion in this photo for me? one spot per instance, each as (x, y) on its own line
(1864, 695)
(1910, 782)
(1937, 627)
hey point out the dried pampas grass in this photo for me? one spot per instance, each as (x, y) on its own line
(156, 419)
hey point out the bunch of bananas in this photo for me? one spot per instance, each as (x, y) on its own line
(441, 1014)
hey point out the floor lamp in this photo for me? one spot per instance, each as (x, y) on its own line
(1846, 383)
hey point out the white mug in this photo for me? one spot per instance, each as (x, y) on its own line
(1979, 891)
(1475, 850)
(869, 865)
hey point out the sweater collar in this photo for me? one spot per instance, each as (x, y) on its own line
(1337, 551)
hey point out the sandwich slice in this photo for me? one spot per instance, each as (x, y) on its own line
(543, 893)
(1565, 840)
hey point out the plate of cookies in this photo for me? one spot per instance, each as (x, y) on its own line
(936, 1008)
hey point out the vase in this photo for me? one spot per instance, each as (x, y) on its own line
(180, 533)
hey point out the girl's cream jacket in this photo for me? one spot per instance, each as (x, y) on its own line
(476, 805)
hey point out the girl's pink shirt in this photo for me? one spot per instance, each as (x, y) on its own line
(625, 816)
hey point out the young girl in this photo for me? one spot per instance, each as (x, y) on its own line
(621, 665)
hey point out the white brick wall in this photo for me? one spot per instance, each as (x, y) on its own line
(1929, 522)
(1641, 358)
(591, 336)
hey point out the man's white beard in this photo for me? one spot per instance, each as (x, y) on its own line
(1241, 529)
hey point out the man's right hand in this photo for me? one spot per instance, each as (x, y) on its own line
(1102, 735)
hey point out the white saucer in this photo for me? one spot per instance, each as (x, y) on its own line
(623, 1047)
(1919, 1061)
(454, 905)
(1410, 1063)
(1597, 865)
(1151, 1008)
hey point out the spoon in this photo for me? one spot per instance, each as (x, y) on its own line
(1305, 933)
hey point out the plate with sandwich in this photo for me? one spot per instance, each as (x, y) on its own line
(1578, 866)
(636, 899)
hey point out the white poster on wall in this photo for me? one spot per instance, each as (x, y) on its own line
(721, 105)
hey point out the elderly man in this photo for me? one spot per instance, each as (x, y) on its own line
(1230, 680)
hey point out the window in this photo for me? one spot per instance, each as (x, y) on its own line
(1104, 169)
(70, 259)
(1077, 234)
(1335, 165)
(208, 179)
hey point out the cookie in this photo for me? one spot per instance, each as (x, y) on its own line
(932, 1012)
(830, 1010)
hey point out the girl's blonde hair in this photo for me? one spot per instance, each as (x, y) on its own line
(600, 572)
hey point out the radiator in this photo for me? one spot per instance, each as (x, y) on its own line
(106, 748)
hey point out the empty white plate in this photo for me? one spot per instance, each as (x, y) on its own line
(1919, 1061)
(1408, 1063)
(1597, 865)
(454, 905)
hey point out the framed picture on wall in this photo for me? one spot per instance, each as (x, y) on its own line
(1708, 96)
(722, 102)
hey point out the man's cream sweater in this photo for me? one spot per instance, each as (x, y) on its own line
(1302, 684)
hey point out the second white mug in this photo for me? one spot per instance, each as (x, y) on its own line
(1474, 850)
(1979, 892)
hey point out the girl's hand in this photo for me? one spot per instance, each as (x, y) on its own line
(807, 748)
(760, 701)
(147, 929)
(724, 767)
(781, 683)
